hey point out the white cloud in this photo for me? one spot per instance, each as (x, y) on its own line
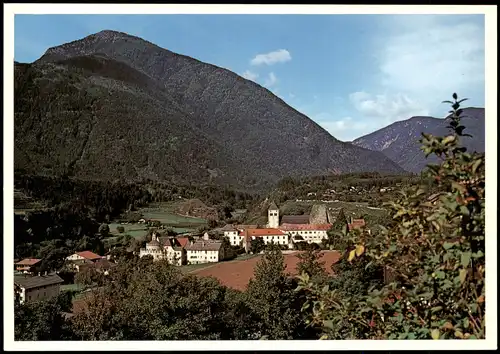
(345, 129)
(421, 61)
(291, 95)
(271, 80)
(250, 75)
(278, 56)
(429, 61)
(386, 108)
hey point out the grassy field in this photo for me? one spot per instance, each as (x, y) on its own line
(192, 267)
(172, 219)
(162, 212)
(72, 287)
(134, 230)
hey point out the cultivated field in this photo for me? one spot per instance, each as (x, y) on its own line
(165, 214)
(236, 274)
(134, 230)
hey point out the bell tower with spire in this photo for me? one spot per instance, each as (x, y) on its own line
(273, 216)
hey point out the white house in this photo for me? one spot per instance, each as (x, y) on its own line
(309, 232)
(204, 251)
(172, 249)
(84, 256)
(232, 233)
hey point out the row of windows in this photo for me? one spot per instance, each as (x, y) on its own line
(38, 295)
(307, 232)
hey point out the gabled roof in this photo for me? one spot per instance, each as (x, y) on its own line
(356, 224)
(262, 232)
(227, 227)
(204, 246)
(273, 206)
(28, 261)
(183, 241)
(88, 255)
(29, 282)
(295, 219)
(153, 243)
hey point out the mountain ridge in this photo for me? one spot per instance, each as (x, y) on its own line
(399, 140)
(130, 84)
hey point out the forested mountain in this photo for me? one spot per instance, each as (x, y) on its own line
(113, 106)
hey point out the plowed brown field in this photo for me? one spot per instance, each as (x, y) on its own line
(236, 274)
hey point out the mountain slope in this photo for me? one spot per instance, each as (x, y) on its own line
(400, 141)
(115, 106)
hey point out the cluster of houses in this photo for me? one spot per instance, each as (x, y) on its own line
(30, 285)
(293, 229)
(179, 251)
(182, 250)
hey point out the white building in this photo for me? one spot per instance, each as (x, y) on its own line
(268, 235)
(204, 251)
(233, 234)
(273, 216)
(172, 249)
(83, 257)
(309, 232)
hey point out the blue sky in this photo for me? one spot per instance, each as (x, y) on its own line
(352, 74)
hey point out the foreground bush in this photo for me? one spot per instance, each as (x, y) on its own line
(433, 257)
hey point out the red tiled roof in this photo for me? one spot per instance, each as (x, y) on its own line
(88, 255)
(183, 241)
(356, 224)
(299, 227)
(28, 261)
(261, 232)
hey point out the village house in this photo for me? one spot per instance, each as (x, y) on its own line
(356, 224)
(172, 249)
(80, 258)
(27, 265)
(205, 251)
(232, 234)
(30, 288)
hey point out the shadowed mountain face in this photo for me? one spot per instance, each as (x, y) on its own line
(113, 106)
(400, 141)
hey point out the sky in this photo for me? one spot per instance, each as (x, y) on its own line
(352, 74)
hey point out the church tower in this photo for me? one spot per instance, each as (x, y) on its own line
(273, 216)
